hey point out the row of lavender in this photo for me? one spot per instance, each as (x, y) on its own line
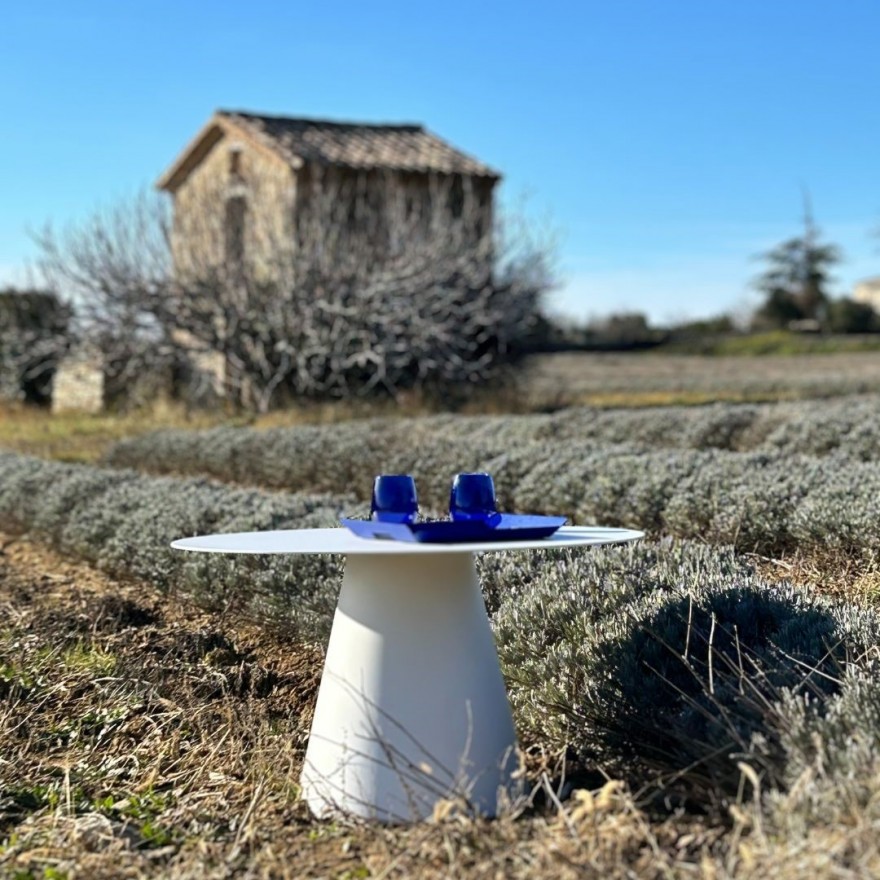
(668, 663)
(310, 455)
(768, 501)
(123, 522)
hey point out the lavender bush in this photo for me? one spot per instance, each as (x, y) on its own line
(671, 665)
(123, 522)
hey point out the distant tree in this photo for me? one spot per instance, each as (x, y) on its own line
(552, 333)
(622, 331)
(848, 316)
(779, 310)
(798, 274)
(627, 327)
(720, 325)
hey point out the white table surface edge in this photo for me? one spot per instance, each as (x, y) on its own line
(340, 540)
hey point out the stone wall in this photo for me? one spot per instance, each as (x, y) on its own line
(233, 169)
(78, 385)
(10, 385)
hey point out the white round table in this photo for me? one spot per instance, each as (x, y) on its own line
(412, 708)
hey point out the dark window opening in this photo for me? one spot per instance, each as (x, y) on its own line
(456, 197)
(236, 217)
(235, 164)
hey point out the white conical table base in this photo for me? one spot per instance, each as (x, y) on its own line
(412, 708)
(412, 705)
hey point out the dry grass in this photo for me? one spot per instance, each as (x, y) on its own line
(78, 437)
(831, 572)
(143, 739)
(140, 738)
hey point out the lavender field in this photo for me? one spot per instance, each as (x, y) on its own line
(708, 696)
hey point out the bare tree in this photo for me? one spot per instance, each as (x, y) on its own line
(369, 290)
(115, 270)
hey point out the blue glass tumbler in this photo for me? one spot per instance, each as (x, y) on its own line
(394, 499)
(472, 498)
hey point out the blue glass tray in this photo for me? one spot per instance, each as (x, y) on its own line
(501, 527)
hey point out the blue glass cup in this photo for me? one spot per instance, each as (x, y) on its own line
(394, 499)
(472, 498)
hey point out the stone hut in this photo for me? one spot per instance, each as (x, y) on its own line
(78, 383)
(268, 195)
(252, 190)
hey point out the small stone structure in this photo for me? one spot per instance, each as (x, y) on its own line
(78, 385)
(10, 386)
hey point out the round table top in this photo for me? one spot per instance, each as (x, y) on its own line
(341, 540)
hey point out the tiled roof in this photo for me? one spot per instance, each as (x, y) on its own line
(357, 145)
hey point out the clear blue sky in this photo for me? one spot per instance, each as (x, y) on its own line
(666, 141)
